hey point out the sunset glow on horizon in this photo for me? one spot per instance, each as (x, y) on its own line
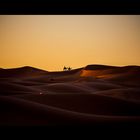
(50, 42)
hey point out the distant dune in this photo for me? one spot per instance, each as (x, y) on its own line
(94, 94)
(109, 70)
(99, 67)
(21, 72)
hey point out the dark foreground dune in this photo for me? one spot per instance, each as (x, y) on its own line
(95, 94)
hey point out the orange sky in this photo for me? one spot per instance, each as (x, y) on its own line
(52, 41)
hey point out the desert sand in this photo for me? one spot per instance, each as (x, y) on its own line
(94, 94)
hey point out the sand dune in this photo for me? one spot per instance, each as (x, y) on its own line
(88, 103)
(98, 67)
(131, 94)
(101, 85)
(31, 113)
(21, 72)
(110, 71)
(66, 88)
(10, 89)
(95, 94)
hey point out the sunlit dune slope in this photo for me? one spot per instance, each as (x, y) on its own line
(113, 73)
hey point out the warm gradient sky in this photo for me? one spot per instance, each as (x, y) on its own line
(52, 41)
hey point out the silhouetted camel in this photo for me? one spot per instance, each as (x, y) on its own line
(64, 69)
(69, 68)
